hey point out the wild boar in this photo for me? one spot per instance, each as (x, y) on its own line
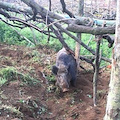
(65, 70)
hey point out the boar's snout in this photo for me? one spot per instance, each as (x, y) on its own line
(63, 84)
(65, 90)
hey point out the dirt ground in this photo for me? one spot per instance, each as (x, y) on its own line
(20, 100)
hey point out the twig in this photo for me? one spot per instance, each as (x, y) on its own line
(46, 18)
(52, 23)
(30, 25)
(88, 42)
(34, 36)
(49, 5)
(10, 24)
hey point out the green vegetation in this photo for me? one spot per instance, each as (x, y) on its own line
(9, 36)
(11, 74)
(8, 73)
(11, 109)
(2, 81)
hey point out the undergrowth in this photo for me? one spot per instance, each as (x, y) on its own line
(11, 74)
(11, 109)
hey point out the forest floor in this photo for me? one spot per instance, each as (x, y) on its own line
(27, 90)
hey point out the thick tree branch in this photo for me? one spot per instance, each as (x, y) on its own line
(34, 12)
(95, 31)
(15, 8)
(41, 10)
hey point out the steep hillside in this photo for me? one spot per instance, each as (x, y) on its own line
(28, 92)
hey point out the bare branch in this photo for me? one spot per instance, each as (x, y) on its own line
(65, 10)
(10, 24)
(49, 5)
(30, 25)
(48, 27)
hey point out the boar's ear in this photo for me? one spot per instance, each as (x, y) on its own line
(54, 70)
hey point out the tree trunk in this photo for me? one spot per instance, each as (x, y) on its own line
(77, 48)
(113, 100)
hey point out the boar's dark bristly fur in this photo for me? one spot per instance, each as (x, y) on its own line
(65, 70)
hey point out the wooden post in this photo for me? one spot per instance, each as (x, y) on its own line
(77, 48)
(97, 64)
